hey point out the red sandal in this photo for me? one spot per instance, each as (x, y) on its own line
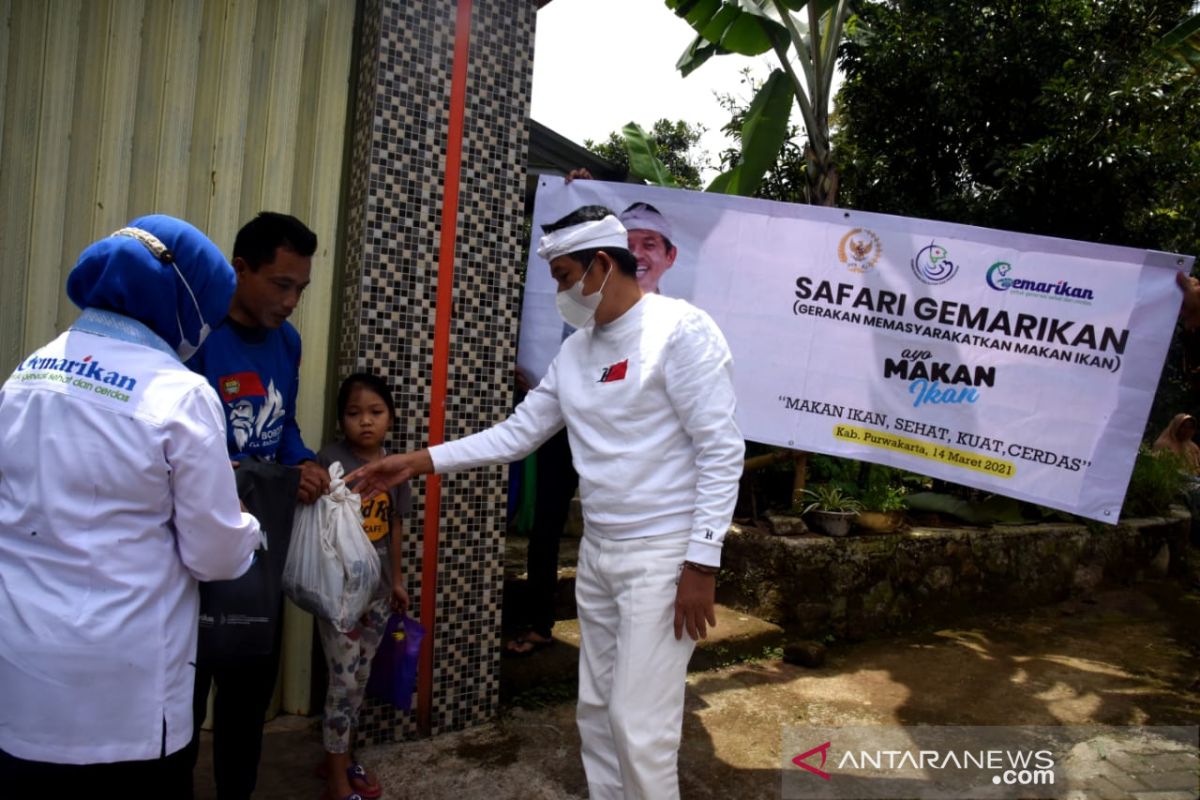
(525, 645)
(356, 773)
(360, 782)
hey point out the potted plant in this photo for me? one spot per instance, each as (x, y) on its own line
(830, 509)
(883, 508)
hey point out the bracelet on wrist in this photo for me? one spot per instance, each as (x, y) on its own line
(703, 569)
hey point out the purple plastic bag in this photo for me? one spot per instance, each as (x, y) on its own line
(394, 669)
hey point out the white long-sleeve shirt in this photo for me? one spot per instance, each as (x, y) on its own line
(649, 407)
(116, 497)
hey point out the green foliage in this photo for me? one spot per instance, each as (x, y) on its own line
(831, 469)
(673, 144)
(883, 488)
(786, 178)
(726, 27)
(987, 511)
(763, 132)
(643, 160)
(828, 497)
(1158, 480)
(1183, 43)
(1058, 118)
(804, 37)
(771, 653)
(884, 497)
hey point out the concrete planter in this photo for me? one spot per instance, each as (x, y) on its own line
(832, 523)
(880, 521)
(854, 587)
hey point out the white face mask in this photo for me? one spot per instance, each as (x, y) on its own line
(186, 349)
(576, 308)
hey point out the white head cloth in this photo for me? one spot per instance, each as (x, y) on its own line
(639, 218)
(602, 233)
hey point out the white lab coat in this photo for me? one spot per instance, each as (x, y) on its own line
(116, 497)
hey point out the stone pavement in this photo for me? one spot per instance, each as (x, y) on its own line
(1122, 657)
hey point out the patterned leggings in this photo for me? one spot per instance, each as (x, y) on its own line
(348, 656)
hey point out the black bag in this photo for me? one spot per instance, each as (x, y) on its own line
(243, 617)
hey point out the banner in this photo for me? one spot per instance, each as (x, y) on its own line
(1022, 365)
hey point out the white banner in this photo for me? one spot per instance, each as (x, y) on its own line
(1021, 365)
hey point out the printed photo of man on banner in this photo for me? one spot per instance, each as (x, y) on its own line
(1021, 365)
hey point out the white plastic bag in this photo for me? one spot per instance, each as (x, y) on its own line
(332, 568)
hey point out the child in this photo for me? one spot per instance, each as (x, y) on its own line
(366, 411)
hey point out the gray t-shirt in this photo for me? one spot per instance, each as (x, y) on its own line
(378, 511)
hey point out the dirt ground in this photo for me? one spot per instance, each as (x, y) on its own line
(1120, 657)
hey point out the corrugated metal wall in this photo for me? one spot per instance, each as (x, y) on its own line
(210, 110)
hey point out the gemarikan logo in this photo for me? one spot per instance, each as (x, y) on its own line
(89, 372)
(614, 373)
(999, 278)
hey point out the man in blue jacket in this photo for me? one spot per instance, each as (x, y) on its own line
(252, 359)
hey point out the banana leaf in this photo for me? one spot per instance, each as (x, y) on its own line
(643, 161)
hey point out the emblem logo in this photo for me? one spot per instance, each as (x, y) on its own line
(933, 265)
(859, 250)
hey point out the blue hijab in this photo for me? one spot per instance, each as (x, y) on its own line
(120, 274)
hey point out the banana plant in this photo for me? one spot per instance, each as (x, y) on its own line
(804, 36)
(643, 160)
(1183, 42)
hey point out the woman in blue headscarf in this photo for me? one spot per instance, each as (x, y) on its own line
(116, 497)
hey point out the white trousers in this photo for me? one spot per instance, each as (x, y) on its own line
(632, 670)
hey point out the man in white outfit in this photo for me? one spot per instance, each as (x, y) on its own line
(644, 387)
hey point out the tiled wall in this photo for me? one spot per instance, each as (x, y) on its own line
(390, 285)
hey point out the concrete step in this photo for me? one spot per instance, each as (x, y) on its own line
(550, 675)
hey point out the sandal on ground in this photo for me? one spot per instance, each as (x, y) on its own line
(526, 645)
(327, 795)
(359, 779)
